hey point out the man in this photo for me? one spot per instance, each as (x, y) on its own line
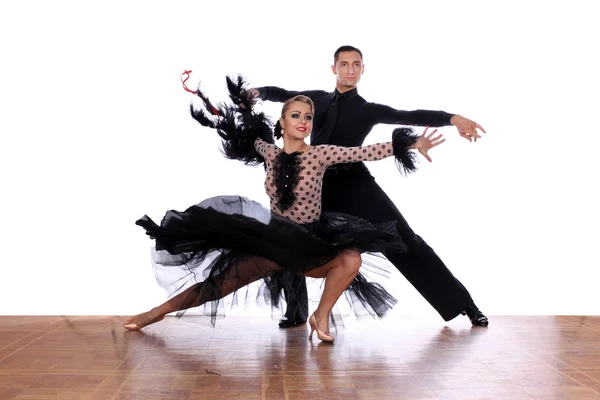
(344, 118)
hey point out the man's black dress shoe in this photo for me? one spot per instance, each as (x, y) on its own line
(476, 316)
(287, 323)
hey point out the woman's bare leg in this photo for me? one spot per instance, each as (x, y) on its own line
(339, 274)
(247, 271)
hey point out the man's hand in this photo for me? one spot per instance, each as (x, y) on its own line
(466, 128)
(426, 143)
(254, 93)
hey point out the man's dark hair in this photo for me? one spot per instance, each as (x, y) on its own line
(345, 48)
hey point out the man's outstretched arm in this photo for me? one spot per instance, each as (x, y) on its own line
(274, 93)
(387, 115)
(279, 95)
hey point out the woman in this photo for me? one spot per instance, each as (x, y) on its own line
(245, 242)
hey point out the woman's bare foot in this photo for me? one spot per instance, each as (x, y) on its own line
(139, 321)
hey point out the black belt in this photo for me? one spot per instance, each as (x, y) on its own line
(340, 169)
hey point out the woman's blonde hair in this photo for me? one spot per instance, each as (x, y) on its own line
(301, 98)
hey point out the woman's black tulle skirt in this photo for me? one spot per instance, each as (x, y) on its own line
(220, 245)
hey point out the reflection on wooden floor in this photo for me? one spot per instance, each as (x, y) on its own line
(400, 357)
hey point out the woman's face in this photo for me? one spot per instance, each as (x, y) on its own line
(297, 120)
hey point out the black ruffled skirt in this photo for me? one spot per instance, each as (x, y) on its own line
(216, 247)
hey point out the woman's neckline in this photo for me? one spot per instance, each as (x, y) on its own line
(296, 152)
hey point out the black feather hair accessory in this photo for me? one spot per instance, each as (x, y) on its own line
(237, 125)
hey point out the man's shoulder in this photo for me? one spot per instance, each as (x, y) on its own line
(374, 104)
(363, 100)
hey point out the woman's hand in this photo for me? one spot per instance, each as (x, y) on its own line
(427, 142)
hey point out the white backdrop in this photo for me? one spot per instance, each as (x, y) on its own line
(96, 132)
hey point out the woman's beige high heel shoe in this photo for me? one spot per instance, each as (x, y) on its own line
(320, 334)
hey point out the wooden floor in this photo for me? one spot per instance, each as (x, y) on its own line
(250, 358)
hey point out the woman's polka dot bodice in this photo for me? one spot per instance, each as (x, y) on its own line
(306, 207)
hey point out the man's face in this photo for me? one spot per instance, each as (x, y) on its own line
(348, 68)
